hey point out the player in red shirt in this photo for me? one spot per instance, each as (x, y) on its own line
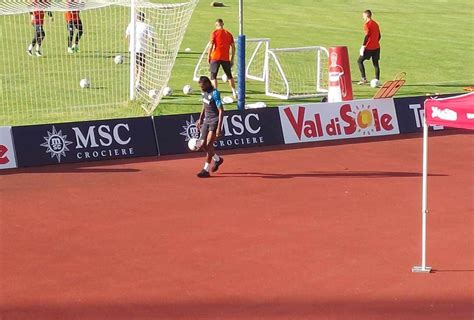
(74, 22)
(219, 54)
(37, 21)
(371, 47)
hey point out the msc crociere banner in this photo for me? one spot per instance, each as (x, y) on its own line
(250, 128)
(84, 141)
(341, 120)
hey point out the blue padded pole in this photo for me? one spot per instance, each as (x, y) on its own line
(241, 72)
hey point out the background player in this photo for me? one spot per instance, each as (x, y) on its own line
(371, 47)
(143, 34)
(37, 21)
(210, 124)
(74, 22)
(219, 54)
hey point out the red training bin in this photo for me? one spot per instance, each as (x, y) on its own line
(340, 82)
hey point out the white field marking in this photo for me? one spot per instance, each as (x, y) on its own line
(437, 40)
(97, 105)
(441, 82)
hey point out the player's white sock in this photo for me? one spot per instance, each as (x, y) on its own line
(234, 93)
(216, 158)
(30, 47)
(206, 166)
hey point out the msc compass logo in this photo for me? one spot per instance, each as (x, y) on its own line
(190, 130)
(56, 144)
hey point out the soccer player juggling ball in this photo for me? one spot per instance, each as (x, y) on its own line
(210, 124)
(74, 22)
(371, 47)
(37, 21)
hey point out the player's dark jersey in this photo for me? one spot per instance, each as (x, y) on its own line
(211, 101)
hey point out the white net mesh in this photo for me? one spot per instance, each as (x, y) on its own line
(255, 54)
(47, 89)
(297, 72)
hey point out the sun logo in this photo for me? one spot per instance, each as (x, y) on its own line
(365, 119)
(190, 130)
(56, 144)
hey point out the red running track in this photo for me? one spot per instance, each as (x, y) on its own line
(313, 233)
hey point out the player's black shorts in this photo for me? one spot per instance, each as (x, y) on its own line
(372, 54)
(215, 65)
(140, 59)
(77, 24)
(38, 28)
(207, 126)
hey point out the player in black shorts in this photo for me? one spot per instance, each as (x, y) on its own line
(210, 124)
(222, 43)
(74, 23)
(37, 21)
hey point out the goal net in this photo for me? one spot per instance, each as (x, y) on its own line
(49, 46)
(297, 72)
(255, 57)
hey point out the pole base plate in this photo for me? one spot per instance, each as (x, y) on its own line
(420, 269)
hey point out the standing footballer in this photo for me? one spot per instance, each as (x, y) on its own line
(219, 54)
(143, 35)
(210, 124)
(74, 22)
(37, 21)
(371, 47)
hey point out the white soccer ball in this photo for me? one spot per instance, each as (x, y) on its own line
(167, 91)
(224, 78)
(194, 144)
(187, 89)
(118, 59)
(187, 50)
(85, 83)
(375, 83)
(153, 93)
(227, 100)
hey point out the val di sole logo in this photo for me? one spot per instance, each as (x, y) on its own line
(190, 130)
(56, 144)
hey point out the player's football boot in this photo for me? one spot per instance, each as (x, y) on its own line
(38, 53)
(30, 53)
(362, 82)
(70, 50)
(217, 164)
(203, 174)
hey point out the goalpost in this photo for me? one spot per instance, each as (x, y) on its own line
(45, 89)
(255, 67)
(294, 73)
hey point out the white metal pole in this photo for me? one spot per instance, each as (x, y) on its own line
(241, 17)
(133, 18)
(424, 205)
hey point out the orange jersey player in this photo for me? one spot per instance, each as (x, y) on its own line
(371, 46)
(74, 23)
(37, 21)
(222, 42)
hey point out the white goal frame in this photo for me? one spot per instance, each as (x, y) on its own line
(288, 94)
(265, 42)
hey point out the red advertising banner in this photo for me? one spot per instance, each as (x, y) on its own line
(455, 112)
(340, 82)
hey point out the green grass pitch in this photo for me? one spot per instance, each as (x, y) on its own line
(431, 40)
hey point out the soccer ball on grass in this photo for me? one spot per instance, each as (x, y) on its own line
(118, 59)
(187, 89)
(167, 91)
(375, 83)
(85, 83)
